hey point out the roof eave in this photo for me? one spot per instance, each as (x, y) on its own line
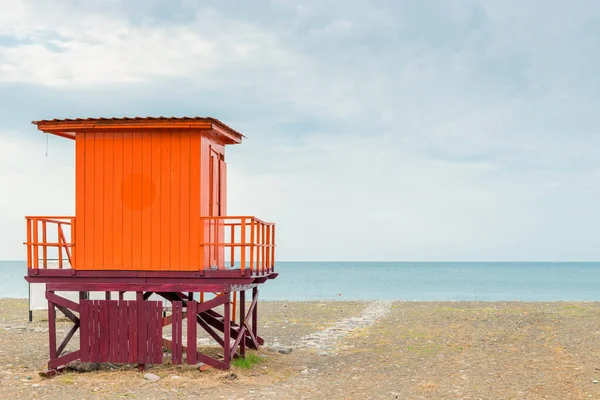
(229, 136)
(68, 129)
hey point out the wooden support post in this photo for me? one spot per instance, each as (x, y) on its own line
(227, 333)
(192, 337)
(234, 307)
(255, 312)
(141, 350)
(176, 349)
(242, 322)
(52, 329)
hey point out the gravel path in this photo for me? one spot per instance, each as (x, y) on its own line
(327, 340)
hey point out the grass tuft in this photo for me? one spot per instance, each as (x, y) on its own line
(246, 363)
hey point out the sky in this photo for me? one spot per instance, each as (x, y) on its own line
(376, 130)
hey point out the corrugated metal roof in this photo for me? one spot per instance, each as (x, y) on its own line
(139, 119)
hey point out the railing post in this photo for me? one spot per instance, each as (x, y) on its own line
(272, 249)
(258, 247)
(267, 248)
(35, 246)
(72, 260)
(264, 253)
(232, 245)
(60, 247)
(243, 240)
(28, 243)
(252, 245)
(216, 239)
(44, 246)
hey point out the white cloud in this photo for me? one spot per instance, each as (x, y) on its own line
(377, 130)
(59, 46)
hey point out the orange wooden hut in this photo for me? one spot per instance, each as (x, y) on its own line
(150, 218)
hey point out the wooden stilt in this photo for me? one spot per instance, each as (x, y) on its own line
(243, 322)
(52, 329)
(255, 312)
(227, 332)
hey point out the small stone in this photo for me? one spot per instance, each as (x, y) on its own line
(186, 367)
(323, 353)
(175, 377)
(276, 348)
(95, 389)
(594, 381)
(28, 378)
(304, 372)
(151, 377)
(229, 376)
(35, 385)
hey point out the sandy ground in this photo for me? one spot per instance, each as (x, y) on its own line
(417, 350)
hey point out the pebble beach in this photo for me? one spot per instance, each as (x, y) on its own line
(348, 350)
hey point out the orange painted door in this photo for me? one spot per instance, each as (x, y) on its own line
(217, 207)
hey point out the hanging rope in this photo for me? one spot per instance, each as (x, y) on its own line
(47, 135)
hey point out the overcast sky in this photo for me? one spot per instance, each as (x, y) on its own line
(377, 130)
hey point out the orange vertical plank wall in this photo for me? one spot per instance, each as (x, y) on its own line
(125, 195)
(164, 178)
(118, 152)
(139, 198)
(80, 198)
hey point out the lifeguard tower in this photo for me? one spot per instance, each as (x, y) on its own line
(150, 219)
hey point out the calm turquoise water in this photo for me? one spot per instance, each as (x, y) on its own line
(484, 281)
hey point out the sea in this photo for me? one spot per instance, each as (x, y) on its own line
(411, 281)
